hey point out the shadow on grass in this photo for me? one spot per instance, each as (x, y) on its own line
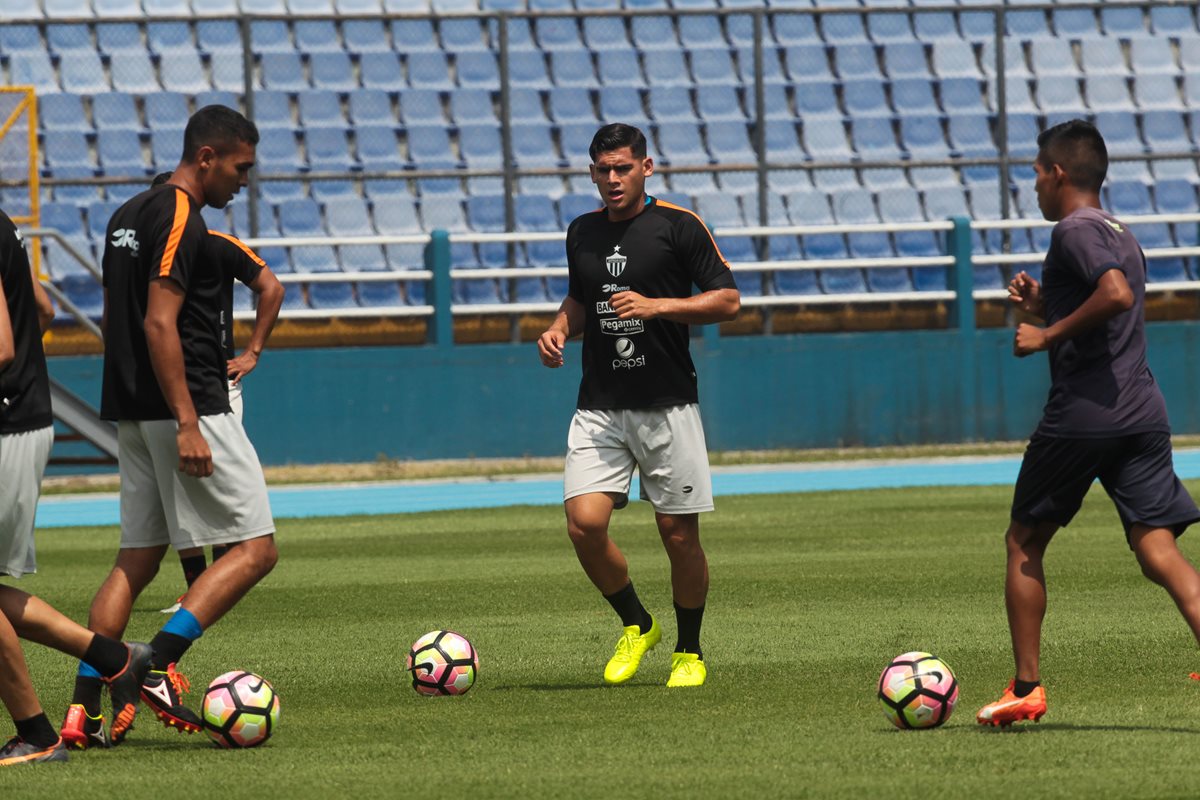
(568, 687)
(1067, 726)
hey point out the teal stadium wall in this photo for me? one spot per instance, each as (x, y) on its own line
(760, 392)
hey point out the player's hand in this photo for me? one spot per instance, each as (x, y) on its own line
(1028, 340)
(631, 305)
(550, 347)
(240, 366)
(195, 458)
(1025, 293)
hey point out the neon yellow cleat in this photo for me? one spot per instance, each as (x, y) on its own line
(629, 651)
(686, 670)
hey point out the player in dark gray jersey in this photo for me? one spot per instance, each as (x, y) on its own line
(1105, 418)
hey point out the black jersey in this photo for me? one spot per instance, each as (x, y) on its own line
(160, 234)
(24, 384)
(661, 252)
(1101, 384)
(237, 262)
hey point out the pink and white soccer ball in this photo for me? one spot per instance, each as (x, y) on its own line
(442, 662)
(917, 690)
(240, 709)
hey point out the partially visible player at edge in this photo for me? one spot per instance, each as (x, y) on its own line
(632, 265)
(189, 475)
(26, 436)
(237, 262)
(1105, 417)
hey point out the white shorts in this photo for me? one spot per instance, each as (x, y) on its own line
(665, 444)
(23, 458)
(235, 399)
(161, 505)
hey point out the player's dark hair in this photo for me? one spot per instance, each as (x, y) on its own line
(218, 127)
(614, 137)
(161, 178)
(1079, 149)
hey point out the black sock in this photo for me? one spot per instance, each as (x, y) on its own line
(37, 731)
(168, 649)
(630, 608)
(193, 566)
(219, 550)
(87, 694)
(108, 656)
(688, 620)
(1023, 688)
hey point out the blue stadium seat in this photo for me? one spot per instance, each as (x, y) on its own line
(935, 27)
(527, 68)
(62, 112)
(321, 108)
(837, 28)
(283, 72)
(317, 36)
(619, 67)
(300, 217)
(1053, 58)
(82, 73)
(888, 28)
(702, 31)
(790, 29)
(462, 35)
(1169, 269)
(395, 213)
(651, 33)
(954, 59)
(666, 68)
(361, 36)
(621, 102)
(120, 152)
(971, 135)
(553, 34)
(1107, 93)
(713, 67)
(533, 145)
(739, 29)
(64, 38)
(329, 150)
(911, 96)
(1171, 20)
(18, 37)
(730, 139)
(215, 36)
(273, 110)
(132, 72)
(1060, 95)
(573, 68)
(816, 100)
(1165, 131)
(717, 103)
(66, 149)
(445, 213)
(905, 60)
(922, 137)
(962, 95)
(1175, 196)
(1102, 56)
(874, 139)
(279, 153)
(428, 144)
(480, 146)
(857, 60)
(83, 291)
(772, 66)
(526, 105)
(169, 37)
(271, 36)
(119, 37)
(323, 191)
(783, 141)
(1149, 56)
(332, 71)
(115, 111)
(571, 104)
(680, 143)
(413, 36)
(1123, 22)
(603, 33)
(485, 213)
(1129, 199)
(719, 210)
(181, 71)
(1074, 23)
(382, 71)
(166, 147)
(472, 105)
(347, 216)
(421, 107)
(865, 98)
(571, 206)
(478, 69)
(371, 107)
(807, 63)
(826, 141)
(1157, 91)
(668, 103)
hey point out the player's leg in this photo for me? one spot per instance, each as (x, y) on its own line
(192, 562)
(675, 478)
(596, 478)
(1162, 562)
(36, 739)
(1025, 593)
(228, 507)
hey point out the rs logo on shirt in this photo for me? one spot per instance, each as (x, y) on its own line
(125, 237)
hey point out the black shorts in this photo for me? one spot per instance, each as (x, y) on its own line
(1136, 470)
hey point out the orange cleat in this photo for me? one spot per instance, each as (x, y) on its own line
(1010, 708)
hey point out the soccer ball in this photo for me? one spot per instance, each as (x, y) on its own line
(240, 710)
(917, 690)
(442, 662)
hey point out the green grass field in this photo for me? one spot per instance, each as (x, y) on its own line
(811, 596)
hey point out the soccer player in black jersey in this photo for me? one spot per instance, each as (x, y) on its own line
(189, 475)
(1105, 418)
(237, 262)
(632, 265)
(26, 436)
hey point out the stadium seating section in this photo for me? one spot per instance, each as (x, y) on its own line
(360, 96)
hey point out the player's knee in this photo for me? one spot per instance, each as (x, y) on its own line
(584, 532)
(679, 537)
(1153, 567)
(265, 555)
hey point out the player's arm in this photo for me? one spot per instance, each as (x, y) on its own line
(164, 299)
(716, 305)
(270, 299)
(1112, 296)
(567, 323)
(8, 345)
(45, 306)
(1025, 293)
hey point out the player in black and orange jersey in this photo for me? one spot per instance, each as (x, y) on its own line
(189, 475)
(632, 265)
(26, 436)
(237, 262)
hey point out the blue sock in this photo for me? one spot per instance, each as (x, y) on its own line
(183, 623)
(86, 670)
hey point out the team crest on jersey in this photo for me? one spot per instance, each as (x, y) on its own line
(615, 261)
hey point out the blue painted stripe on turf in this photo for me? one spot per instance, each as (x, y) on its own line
(398, 498)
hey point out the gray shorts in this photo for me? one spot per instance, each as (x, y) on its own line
(23, 458)
(235, 399)
(665, 444)
(161, 505)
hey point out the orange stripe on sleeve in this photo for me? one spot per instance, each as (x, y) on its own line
(182, 208)
(239, 244)
(720, 255)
